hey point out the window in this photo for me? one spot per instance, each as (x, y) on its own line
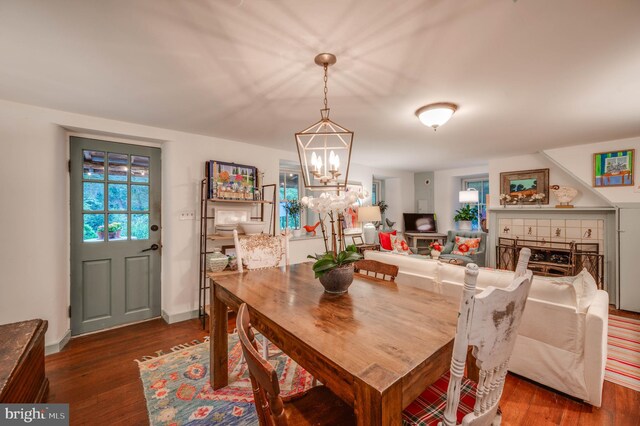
(289, 184)
(480, 184)
(376, 191)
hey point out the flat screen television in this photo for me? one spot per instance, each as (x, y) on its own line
(420, 222)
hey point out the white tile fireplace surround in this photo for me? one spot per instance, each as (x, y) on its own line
(579, 224)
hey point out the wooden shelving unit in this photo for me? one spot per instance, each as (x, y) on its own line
(207, 235)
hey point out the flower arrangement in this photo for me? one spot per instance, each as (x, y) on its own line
(435, 246)
(537, 197)
(332, 206)
(328, 261)
(506, 198)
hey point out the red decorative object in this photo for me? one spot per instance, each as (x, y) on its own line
(311, 228)
(435, 246)
(385, 239)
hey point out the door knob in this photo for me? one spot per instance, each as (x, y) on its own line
(153, 247)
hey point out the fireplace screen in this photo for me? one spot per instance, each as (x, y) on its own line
(552, 259)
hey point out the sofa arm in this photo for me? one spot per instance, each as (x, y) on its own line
(448, 248)
(595, 346)
(479, 257)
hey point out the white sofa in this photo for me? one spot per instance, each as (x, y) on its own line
(562, 342)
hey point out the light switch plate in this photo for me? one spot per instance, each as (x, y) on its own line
(188, 215)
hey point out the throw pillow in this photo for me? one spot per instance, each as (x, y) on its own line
(385, 239)
(399, 245)
(465, 246)
(585, 287)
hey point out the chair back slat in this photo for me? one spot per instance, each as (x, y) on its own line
(381, 270)
(489, 323)
(260, 251)
(264, 379)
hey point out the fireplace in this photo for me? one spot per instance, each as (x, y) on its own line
(562, 241)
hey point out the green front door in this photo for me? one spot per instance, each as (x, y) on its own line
(115, 234)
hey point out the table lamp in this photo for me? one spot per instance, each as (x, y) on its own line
(471, 195)
(366, 215)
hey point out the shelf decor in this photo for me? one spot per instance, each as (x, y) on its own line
(520, 186)
(613, 168)
(324, 148)
(230, 181)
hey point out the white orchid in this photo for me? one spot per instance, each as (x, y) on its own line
(329, 203)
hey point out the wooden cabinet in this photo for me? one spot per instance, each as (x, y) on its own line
(22, 376)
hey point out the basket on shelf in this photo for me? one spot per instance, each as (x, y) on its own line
(217, 261)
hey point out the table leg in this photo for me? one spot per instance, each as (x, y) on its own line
(374, 408)
(219, 368)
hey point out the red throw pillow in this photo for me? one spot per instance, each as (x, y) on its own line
(385, 239)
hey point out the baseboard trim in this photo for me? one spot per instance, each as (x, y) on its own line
(182, 316)
(57, 347)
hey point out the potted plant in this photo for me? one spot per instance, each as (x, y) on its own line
(114, 229)
(293, 208)
(100, 232)
(335, 270)
(436, 248)
(465, 216)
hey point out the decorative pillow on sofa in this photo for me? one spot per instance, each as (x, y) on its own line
(385, 239)
(585, 286)
(466, 246)
(399, 245)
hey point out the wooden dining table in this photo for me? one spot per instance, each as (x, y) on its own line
(377, 347)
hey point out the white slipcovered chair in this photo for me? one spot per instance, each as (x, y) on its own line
(489, 323)
(261, 251)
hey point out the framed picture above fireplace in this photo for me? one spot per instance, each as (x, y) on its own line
(524, 184)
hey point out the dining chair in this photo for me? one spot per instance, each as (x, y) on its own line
(317, 406)
(373, 268)
(261, 251)
(489, 323)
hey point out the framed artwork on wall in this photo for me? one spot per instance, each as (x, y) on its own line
(522, 185)
(231, 181)
(613, 168)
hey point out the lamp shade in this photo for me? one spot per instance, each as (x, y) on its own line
(369, 214)
(469, 196)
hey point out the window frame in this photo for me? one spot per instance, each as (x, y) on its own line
(301, 193)
(482, 205)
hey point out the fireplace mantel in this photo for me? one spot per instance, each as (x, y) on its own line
(529, 209)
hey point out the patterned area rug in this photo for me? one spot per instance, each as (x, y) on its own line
(177, 389)
(623, 352)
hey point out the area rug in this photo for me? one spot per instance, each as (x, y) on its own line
(623, 352)
(178, 392)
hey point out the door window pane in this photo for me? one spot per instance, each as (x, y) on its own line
(139, 168)
(139, 226)
(117, 196)
(118, 166)
(93, 196)
(117, 228)
(93, 227)
(93, 165)
(139, 197)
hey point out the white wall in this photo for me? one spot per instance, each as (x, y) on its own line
(557, 176)
(447, 183)
(34, 247)
(578, 160)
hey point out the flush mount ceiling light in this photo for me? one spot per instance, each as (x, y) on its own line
(324, 148)
(435, 115)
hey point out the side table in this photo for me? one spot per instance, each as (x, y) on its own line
(362, 247)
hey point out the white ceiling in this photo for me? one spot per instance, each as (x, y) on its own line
(527, 75)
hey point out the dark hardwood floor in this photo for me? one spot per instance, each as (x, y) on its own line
(98, 377)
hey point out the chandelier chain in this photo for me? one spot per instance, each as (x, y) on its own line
(326, 78)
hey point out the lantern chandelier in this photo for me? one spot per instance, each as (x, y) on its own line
(324, 148)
